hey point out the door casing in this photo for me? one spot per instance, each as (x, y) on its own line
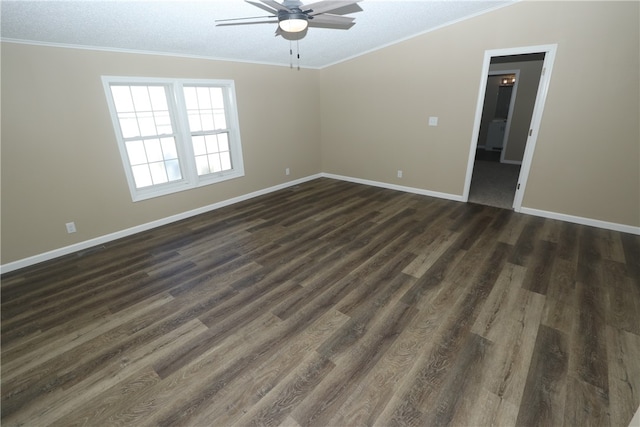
(536, 118)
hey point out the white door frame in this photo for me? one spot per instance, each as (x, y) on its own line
(536, 118)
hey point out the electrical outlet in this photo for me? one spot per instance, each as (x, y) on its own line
(71, 227)
(399, 173)
(433, 121)
(287, 171)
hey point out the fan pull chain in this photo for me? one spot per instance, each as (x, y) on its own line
(298, 49)
(290, 55)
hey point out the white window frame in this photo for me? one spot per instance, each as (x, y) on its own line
(180, 123)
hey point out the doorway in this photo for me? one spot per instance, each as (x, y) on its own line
(511, 98)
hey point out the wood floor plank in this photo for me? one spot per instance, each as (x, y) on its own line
(623, 297)
(510, 321)
(561, 304)
(330, 303)
(20, 360)
(332, 392)
(464, 383)
(429, 373)
(588, 341)
(586, 405)
(273, 389)
(526, 242)
(623, 349)
(103, 400)
(539, 270)
(543, 399)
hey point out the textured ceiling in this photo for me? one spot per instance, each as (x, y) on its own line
(187, 27)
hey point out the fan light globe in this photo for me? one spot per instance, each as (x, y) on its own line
(293, 25)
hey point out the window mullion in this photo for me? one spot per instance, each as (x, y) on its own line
(233, 127)
(182, 132)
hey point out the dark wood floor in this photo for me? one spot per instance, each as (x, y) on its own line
(331, 303)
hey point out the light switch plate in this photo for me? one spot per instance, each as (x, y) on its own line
(433, 121)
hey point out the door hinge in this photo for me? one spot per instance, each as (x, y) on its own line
(543, 70)
(518, 186)
(530, 132)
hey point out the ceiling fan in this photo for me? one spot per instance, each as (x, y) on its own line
(294, 17)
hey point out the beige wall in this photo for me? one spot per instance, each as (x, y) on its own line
(528, 83)
(60, 160)
(364, 118)
(375, 107)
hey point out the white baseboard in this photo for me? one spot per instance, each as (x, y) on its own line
(76, 247)
(582, 221)
(414, 190)
(56, 253)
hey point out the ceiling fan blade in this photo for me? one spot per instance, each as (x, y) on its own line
(274, 4)
(241, 19)
(324, 21)
(262, 6)
(332, 19)
(327, 6)
(228, 24)
(345, 10)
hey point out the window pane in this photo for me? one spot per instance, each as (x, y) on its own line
(223, 141)
(194, 122)
(217, 98)
(173, 170)
(163, 122)
(202, 165)
(141, 98)
(204, 98)
(214, 162)
(147, 124)
(225, 160)
(212, 144)
(136, 153)
(129, 125)
(158, 174)
(220, 119)
(199, 147)
(207, 121)
(141, 176)
(122, 98)
(169, 150)
(137, 115)
(158, 98)
(190, 98)
(154, 152)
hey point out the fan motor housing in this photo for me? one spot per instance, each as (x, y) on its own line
(294, 13)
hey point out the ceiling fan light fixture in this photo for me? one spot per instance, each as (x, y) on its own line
(294, 23)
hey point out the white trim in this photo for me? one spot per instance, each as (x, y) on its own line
(543, 88)
(582, 221)
(56, 253)
(146, 52)
(635, 421)
(536, 120)
(414, 190)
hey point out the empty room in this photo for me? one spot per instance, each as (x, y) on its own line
(334, 213)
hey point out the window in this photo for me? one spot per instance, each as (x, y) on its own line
(174, 134)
